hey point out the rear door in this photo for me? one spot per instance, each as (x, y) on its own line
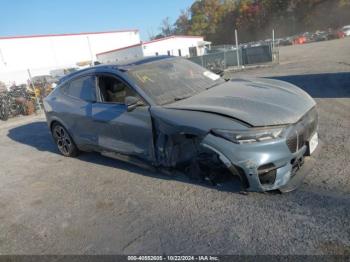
(120, 130)
(80, 95)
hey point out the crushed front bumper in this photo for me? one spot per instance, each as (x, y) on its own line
(302, 171)
(289, 168)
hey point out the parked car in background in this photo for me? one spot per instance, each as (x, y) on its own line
(299, 40)
(320, 36)
(172, 114)
(341, 34)
(308, 37)
(285, 41)
(346, 30)
(334, 34)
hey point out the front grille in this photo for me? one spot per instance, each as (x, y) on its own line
(302, 131)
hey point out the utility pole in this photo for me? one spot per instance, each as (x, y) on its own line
(237, 50)
(90, 50)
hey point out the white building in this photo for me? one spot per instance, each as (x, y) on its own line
(186, 46)
(43, 53)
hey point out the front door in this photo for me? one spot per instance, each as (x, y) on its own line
(119, 130)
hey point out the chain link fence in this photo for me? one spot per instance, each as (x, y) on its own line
(220, 58)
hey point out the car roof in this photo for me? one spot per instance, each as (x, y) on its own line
(124, 66)
(144, 60)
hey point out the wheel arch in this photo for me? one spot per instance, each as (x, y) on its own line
(234, 170)
(58, 121)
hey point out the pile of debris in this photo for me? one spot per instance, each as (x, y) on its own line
(25, 99)
(18, 101)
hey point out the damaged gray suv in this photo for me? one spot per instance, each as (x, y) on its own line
(173, 115)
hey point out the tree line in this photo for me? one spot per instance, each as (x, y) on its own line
(216, 20)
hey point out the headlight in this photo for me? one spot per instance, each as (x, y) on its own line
(249, 136)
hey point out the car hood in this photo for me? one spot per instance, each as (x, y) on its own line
(256, 101)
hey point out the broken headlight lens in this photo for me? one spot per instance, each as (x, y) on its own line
(252, 135)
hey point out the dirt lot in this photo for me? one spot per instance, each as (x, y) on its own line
(50, 204)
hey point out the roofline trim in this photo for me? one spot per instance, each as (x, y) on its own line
(118, 49)
(68, 34)
(170, 37)
(149, 42)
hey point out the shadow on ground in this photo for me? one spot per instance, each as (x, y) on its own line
(330, 85)
(37, 135)
(34, 134)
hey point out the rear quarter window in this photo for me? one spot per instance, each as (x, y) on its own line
(83, 88)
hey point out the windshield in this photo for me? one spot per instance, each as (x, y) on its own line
(173, 79)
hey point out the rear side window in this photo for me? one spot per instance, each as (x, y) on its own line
(83, 88)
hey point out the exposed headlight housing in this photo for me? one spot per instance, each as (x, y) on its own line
(248, 136)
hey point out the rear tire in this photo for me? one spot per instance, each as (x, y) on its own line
(64, 141)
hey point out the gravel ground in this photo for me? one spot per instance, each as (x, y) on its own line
(50, 204)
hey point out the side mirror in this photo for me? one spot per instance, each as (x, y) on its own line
(132, 102)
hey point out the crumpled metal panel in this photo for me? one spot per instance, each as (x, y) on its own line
(256, 101)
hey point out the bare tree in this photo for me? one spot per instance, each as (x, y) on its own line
(166, 27)
(183, 23)
(151, 34)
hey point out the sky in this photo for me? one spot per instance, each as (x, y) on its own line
(31, 17)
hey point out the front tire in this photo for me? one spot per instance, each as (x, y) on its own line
(64, 141)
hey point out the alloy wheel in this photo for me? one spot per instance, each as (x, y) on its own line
(63, 141)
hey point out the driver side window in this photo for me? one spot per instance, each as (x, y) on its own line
(113, 90)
